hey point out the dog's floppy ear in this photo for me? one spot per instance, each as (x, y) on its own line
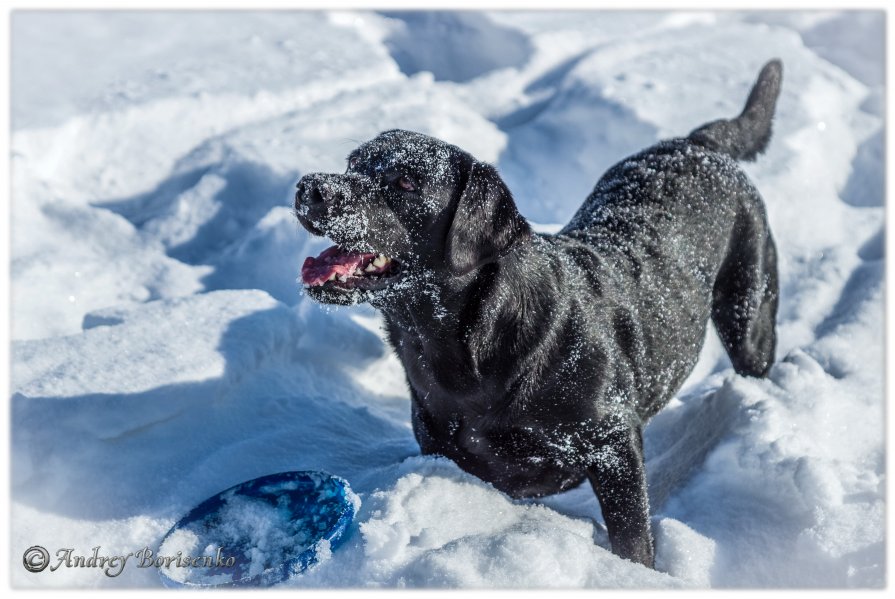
(486, 223)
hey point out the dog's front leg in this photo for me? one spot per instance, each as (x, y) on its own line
(619, 479)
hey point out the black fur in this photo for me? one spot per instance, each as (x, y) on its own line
(746, 136)
(534, 361)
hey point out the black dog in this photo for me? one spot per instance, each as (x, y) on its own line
(534, 361)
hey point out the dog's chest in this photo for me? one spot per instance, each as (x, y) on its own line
(442, 372)
(468, 427)
(519, 458)
(470, 433)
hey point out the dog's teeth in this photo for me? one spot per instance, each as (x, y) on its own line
(331, 277)
(343, 278)
(380, 261)
(357, 271)
(370, 267)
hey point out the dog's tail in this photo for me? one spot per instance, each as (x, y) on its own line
(746, 136)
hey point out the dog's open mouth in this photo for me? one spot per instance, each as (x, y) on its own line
(340, 268)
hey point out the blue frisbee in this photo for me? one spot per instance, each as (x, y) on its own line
(258, 533)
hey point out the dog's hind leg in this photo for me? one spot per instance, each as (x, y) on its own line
(744, 304)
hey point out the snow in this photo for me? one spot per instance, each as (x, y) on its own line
(163, 351)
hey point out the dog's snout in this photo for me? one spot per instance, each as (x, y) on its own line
(314, 199)
(314, 190)
(308, 193)
(313, 195)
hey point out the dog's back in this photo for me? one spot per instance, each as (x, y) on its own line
(682, 235)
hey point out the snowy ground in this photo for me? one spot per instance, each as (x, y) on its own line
(163, 352)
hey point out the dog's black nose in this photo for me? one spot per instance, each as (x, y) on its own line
(308, 193)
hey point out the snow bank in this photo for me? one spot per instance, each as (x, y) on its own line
(163, 351)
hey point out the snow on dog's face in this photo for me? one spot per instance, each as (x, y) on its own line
(408, 206)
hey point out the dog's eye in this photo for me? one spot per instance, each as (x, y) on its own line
(405, 183)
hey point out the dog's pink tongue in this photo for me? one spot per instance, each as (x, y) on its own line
(317, 271)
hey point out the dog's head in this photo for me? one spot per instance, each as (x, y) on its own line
(408, 206)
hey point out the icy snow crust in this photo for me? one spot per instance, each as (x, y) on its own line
(163, 351)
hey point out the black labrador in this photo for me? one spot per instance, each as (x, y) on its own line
(534, 361)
